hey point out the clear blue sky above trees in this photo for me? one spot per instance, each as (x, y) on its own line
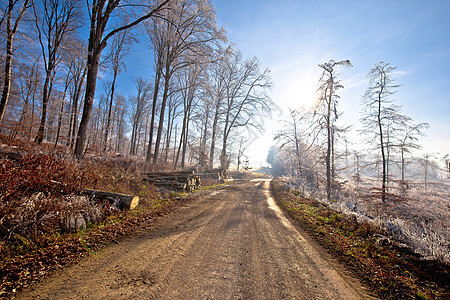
(292, 37)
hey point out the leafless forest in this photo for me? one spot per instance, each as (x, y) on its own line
(62, 61)
(382, 182)
(199, 95)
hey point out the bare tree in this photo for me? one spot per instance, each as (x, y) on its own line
(173, 112)
(408, 139)
(99, 14)
(118, 50)
(241, 150)
(378, 112)
(203, 115)
(156, 32)
(63, 102)
(139, 103)
(77, 70)
(59, 17)
(188, 83)
(120, 111)
(27, 85)
(292, 134)
(191, 27)
(297, 138)
(447, 165)
(427, 161)
(17, 9)
(245, 96)
(326, 109)
(216, 90)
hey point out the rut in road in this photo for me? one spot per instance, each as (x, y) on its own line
(232, 244)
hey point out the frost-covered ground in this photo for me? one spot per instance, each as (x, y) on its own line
(419, 218)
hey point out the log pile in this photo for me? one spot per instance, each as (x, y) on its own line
(118, 201)
(221, 175)
(184, 180)
(187, 181)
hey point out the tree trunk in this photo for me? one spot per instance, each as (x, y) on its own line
(175, 142)
(328, 157)
(181, 144)
(403, 164)
(169, 134)
(134, 133)
(10, 33)
(32, 112)
(161, 115)
(213, 136)
(60, 116)
(108, 122)
(223, 154)
(186, 134)
(203, 141)
(152, 122)
(7, 72)
(383, 156)
(45, 98)
(91, 81)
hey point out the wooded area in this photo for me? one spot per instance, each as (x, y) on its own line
(200, 94)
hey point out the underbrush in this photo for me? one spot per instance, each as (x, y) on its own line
(41, 207)
(20, 270)
(411, 215)
(390, 268)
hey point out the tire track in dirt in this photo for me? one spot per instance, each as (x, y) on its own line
(233, 244)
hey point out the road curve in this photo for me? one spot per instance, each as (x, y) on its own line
(232, 244)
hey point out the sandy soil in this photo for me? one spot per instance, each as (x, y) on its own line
(232, 244)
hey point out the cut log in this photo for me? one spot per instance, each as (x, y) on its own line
(119, 201)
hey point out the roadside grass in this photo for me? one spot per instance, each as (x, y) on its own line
(390, 269)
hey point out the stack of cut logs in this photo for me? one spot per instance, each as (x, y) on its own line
(184, 180)
(187, 181)
(221, 175)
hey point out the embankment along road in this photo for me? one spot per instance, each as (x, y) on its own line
(231, 244)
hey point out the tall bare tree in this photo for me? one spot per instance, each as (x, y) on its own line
(191, 27)
(189, 88)
(58, 19)
(378, 111)
(157, 35)
(245, 96)
(216, 91)
(77, 69)
(63, 102)
(326, 108)
(17, 9)
(100, 12)
(118, 49)
(27, 84)
(139, 103)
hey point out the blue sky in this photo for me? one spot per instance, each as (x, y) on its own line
(291, 37)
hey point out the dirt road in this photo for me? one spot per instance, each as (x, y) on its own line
(232, 244)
